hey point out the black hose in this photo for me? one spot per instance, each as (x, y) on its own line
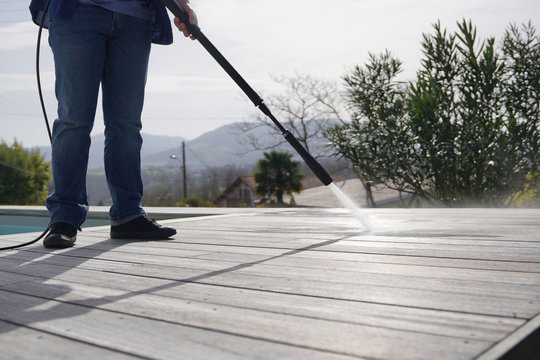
(38, 46)
(38, 77)
(27, 243)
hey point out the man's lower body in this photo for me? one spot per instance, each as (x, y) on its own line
(97, 48)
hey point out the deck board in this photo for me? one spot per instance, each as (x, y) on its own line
(19, 342)
(282, 283)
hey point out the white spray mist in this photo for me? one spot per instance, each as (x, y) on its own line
(351, 206)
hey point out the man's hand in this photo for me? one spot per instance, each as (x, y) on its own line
(192, 18)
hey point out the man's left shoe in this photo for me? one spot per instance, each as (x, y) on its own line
(61, 236)
(141, 228)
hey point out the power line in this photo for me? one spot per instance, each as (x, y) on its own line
(192, 117)
(17, 168)
(15, 21)
(19, 114)
(14, 103)
(198, 158)
(16, 32)
(14, 10)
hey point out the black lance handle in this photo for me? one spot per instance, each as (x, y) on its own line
(194, 30)
(317, 168)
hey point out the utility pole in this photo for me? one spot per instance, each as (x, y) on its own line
(184, 167)
(184, 176)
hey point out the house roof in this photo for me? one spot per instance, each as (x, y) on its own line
(248, 180)
(309, 181)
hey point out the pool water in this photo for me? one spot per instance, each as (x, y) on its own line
(10, 224)
(15, 229)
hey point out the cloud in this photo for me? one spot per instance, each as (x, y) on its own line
(19, 35)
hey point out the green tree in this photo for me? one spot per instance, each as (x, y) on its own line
(528, 197)
(521, 50)
(277, 174)
(23, 175)
(465, 132)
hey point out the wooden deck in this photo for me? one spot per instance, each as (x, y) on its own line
(283, 284)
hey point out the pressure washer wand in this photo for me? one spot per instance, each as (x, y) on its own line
(194, 30)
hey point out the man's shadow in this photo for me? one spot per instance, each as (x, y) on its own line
(24, 293)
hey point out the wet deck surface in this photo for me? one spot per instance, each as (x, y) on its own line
(281, 284)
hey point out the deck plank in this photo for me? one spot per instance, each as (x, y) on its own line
(19, 342)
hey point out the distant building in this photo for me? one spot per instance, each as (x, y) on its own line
(241, 193)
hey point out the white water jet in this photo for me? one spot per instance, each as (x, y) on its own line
(351, 206)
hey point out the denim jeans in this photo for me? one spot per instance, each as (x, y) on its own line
(98, 47)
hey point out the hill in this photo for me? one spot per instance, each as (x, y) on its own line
(219, 147)
(151, 145)
(226, 145)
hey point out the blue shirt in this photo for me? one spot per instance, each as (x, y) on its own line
(137, 8)
(161, 24)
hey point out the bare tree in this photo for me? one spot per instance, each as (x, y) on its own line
(307, 107)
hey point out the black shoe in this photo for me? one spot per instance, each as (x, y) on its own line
(62, 235)
(141, 228)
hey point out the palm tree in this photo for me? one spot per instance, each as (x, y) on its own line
(277, 174)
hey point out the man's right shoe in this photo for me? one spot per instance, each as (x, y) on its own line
(143, 228)
(61, 236)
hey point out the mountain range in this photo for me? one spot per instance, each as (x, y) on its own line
(226, 145)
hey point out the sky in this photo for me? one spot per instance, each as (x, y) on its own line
(188, 93)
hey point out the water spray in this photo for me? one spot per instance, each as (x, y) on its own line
(313, 164)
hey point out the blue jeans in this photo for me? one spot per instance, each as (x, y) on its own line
(98, 47)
